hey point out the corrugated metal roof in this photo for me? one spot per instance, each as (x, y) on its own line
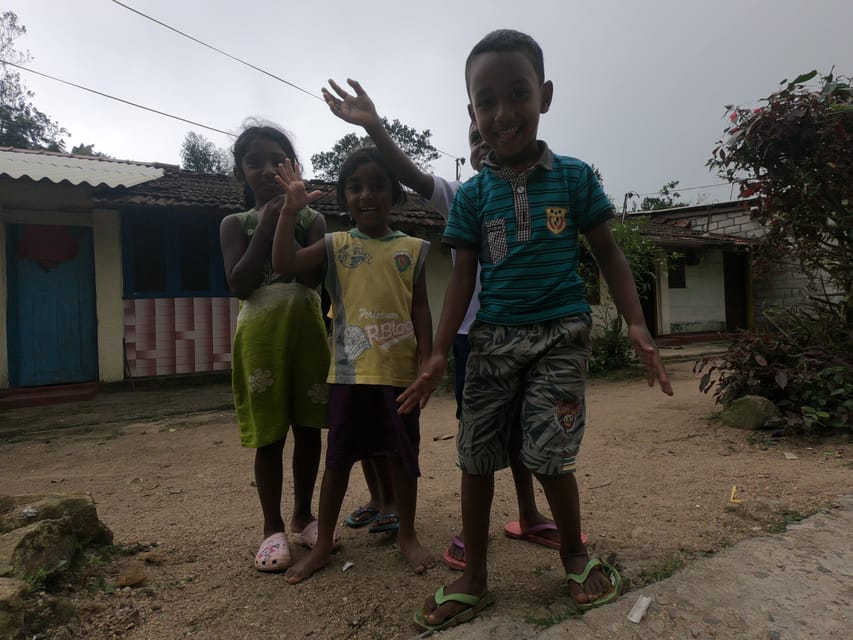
(63, 167)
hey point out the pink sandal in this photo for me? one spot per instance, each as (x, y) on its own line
(308, 536)
(274, 554)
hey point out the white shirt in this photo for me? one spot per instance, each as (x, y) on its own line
(442, 197)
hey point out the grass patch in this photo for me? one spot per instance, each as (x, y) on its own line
(541, 570)
(662, 571)
(550, 621)
(788, 518)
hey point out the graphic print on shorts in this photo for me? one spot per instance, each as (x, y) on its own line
(556, 218)
(567, 414)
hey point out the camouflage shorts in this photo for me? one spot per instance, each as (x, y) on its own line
(535, 374)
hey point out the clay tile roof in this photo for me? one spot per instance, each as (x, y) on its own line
(221, 194)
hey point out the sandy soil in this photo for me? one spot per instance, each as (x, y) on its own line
(655, 473)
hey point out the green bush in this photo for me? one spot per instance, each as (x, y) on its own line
(611, 349)
(804, 366)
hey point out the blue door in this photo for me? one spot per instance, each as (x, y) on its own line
(51, 317)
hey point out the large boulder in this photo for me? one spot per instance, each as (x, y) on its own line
(40, 537)
(38, 551)
(12, 593)
(79, 509)
(749, 412)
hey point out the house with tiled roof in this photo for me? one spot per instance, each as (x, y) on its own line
(712, 286)
(112, 269)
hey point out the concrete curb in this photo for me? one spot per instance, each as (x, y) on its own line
(798, 584)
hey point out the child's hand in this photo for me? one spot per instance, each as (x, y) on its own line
(418, 393)
(271, 209)
(357, 109)
(649, 356)
(296, 197)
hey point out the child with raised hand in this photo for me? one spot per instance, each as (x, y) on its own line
(357, 108)
(280, 355)
(381, 331)
(521, 216)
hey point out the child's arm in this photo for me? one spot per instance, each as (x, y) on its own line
(244, 261)
(359, 109)
(620, 280)
(286, 259)
(316, 233)
(422, 319)
(456, 301)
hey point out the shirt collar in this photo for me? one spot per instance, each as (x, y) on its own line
(545, 159)
(355, 233)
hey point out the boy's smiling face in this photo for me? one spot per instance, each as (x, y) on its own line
(506, 102)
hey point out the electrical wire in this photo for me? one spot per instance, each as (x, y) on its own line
(236, 59)
(111, 97)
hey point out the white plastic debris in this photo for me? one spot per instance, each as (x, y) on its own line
(30, 512)
(790, 456)
(347, 566)
(639, 609)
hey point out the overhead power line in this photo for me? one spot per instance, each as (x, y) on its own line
(235, 58)
(677, 189)
(220, 51)
(111, 97)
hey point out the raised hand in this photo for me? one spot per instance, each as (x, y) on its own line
(419, 392)
(355, 109)
(296, 197)
(650, 357)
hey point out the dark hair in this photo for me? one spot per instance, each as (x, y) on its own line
(256, 130)
(358, 157)
(505, 41)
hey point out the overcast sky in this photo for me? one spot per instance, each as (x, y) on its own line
(639, 86)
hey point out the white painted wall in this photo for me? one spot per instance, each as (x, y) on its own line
(106, 231)
(702, 305)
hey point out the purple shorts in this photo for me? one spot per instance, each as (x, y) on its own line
(363, 422)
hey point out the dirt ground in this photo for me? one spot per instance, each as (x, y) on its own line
(655, 473)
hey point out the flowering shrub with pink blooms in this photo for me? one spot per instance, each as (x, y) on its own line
(795, 155)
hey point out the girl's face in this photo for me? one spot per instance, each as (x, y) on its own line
(369, 197)
(258, 169)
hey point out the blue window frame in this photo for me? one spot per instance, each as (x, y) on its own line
(171, 255)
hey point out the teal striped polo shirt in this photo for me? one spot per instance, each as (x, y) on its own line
(525, 228)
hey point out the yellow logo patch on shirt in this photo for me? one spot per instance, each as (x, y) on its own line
(556, 217)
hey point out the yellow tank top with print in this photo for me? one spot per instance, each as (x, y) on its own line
(371, 283)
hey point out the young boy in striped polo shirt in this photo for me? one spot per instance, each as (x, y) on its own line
(520, 218)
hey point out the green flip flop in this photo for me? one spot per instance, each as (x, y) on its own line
(475, 605)
(609, 571)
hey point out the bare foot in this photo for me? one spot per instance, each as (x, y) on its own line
(594, 587)
(420, 558)
(435, 614)
(307, 567)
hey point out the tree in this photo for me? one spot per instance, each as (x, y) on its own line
(795, 154)
(667, 199)
(87, 150)
(22, 125)
(327, 164)
(201, 155)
